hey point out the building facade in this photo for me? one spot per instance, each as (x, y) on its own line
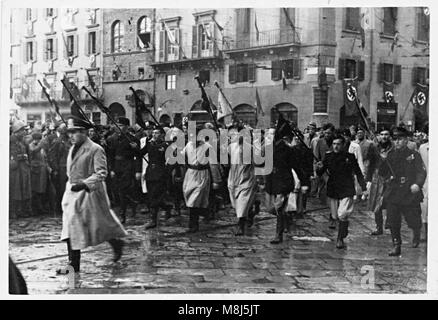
(128, 54)
(50, 44)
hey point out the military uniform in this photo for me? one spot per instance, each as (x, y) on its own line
(404, 168)
(341, 168)
(156, 178)
(124, 161)
(57, 158)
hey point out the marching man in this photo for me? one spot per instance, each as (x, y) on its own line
(341, 166)
(87, 218)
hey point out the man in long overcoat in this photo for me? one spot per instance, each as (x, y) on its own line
(19, 172)
(87, 217)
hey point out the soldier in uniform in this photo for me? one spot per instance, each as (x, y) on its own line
(58, 163)
(125, 165)
(156, 175)
(404, 168)
(341, 167)
(280, 183)
(19, 172)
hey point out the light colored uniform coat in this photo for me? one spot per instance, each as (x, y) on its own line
(242, 183)
(196, 185)
(87, 217)
(424, 153)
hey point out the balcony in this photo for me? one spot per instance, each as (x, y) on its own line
(265, 39)
(38, 97)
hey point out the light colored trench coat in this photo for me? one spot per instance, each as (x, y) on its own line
(87, 217)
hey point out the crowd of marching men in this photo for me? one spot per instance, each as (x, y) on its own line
(305, 164)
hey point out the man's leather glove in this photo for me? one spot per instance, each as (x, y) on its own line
(79, 187)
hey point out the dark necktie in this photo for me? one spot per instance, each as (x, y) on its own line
(75, 150)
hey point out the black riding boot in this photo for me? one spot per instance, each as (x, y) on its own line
(241, 227)
(279, 229)
(342, 233)
(193, 220)
(154, 218)
(416, 238)
(396, 241)
(117, 246)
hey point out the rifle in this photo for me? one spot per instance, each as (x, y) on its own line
(136, 99)
(108, 114)
(52, 102)
(77, 103)
(205, 103)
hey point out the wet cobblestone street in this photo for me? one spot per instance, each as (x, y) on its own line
(169, 260)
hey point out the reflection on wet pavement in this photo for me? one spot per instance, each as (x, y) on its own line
(168, 260)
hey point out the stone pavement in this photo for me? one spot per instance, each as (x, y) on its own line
(169, 260)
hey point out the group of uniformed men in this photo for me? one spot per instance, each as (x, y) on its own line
(94, 171)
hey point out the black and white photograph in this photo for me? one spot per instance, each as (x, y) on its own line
(265, 149)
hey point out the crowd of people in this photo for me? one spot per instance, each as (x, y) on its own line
(340, 167)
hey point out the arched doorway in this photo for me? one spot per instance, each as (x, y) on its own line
(117, 110)
(246, 113)
(288, 110)
(165, 120)
(198, 114)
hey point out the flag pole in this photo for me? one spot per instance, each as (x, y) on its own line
(223, 95)
(136, 99)
(207, 103)
(52, 102)
(108, 114)
(77, 103)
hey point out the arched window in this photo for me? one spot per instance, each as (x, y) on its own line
(117, 33)
(198, 114)
(117, 110)
(144, 31)
(246, 113)
(289, 111)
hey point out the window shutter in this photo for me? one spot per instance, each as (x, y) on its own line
(397, 74)
(162, 46)
(64, 41)
(76, 45)
(232, 73)
(45, 51)
(251, 72)
(98, 39)
(414, 76)
(178, 40)
(34, 51)
(213, 37)
(380, 73)
(296, 68)
(55, 48)
(55, 12)
(361, 70)
(341, 69)
(24, 51)
(195, 41)
(275, 70)
(34, 14)
(86, 40)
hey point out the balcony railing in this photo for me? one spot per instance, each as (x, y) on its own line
(266, 38)
(36, 97)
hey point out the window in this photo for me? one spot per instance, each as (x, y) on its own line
(423, 23)
(241, 73)
(351, 68)
(70, 46)
(206, 39)
(204, 76)
(95, 117)
(389, 21)
(49, 49)
(49, 12)
(172, 45)
(171, 82)
(117, 33)
(320, 100)
(28, 14)
(420, 75)
(144, 29)
(291, 68)
(352, 19)
(30, 52)
(141, 73)
(390, 73)
(92, 43)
